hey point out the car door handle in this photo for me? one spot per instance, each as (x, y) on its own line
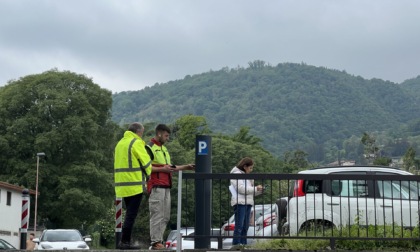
(333, 204)
(385, 206)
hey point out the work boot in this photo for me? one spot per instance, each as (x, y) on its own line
(157, 246)
(127, 246)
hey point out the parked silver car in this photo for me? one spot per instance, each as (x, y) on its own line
(62, 239)
(188, 239)
(171, 241)
(4, 245)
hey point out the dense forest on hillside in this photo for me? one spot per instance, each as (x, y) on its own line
(289, 106)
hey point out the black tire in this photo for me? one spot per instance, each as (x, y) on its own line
(316, 226)
(282, 207)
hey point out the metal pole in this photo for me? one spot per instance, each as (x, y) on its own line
(24, 219)
(39, 154)
(36, 191)
(178, 214)
(202, 193)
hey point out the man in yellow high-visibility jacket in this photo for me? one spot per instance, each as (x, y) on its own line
(132, 167)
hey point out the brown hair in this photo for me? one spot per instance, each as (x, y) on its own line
(245, 161)
(162, 128)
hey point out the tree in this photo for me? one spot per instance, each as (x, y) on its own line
(295, 161)
(187, 127)
(66, 116)
(243, 136)
(409, 159)
(371, 149)
(256, 64)
(384, 161)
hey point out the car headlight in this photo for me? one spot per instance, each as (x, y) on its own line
(83, 246)
(46, 246)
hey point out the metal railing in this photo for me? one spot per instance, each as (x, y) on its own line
(314, 206)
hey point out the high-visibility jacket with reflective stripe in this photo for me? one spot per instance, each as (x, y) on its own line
(161, 157)
(132, 165)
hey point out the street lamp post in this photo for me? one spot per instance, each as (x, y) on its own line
(38, 155)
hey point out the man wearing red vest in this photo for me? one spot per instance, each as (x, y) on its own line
(159, 185)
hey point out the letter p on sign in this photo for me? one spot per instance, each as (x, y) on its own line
(202, 148)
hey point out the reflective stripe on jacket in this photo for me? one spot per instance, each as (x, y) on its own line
(160, 157)
(132, 165)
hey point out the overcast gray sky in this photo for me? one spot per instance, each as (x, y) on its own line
(127, 45)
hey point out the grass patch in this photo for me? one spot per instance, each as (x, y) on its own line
(388, 233)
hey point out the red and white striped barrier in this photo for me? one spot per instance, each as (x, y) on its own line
(25, 213)
(118, 214)
(24, 219)
(118, 220)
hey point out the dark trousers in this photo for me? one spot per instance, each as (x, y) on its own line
(242, 215)
(132, 205)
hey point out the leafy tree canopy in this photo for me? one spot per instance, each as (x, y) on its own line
(66, 116)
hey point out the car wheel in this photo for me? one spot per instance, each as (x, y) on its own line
(316, 226)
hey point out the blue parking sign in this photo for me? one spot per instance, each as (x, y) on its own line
(202, 148)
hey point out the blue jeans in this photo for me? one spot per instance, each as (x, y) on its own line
(242, 215)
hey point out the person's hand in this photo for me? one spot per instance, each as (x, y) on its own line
(260, 188)
(167, 169)
(190, 167)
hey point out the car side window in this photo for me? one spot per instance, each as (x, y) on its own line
(354, 188)
(313, 186)
(349, 188)
(398, 189)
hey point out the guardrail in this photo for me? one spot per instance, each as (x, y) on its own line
(314, 206)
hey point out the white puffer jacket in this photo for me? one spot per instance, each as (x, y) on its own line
(245, 189)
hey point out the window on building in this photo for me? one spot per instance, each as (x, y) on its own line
(9, 199)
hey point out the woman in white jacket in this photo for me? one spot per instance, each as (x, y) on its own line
(243, 201)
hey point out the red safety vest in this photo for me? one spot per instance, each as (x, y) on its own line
(160, 157)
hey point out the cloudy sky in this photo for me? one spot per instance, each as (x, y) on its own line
(130, 44)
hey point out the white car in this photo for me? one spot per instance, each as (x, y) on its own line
(188, 241)
(61, 239)
(173, 236)
(254, 226)
(267, 225)
(341, 202)
(260, 210)
(4, 245)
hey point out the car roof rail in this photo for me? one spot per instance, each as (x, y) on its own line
(355, 166)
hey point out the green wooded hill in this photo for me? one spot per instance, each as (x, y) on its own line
(289, 106)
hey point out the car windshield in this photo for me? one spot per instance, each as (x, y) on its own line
(5, 245)
(58, 236)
